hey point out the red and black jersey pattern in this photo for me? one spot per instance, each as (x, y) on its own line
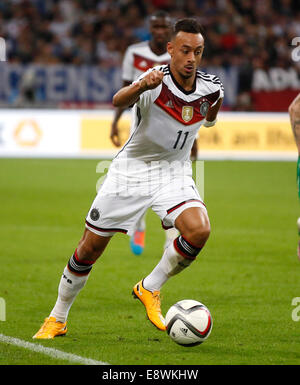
(185, 112)
(143, 64)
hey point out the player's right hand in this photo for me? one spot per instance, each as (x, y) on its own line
(114, 135)
(151, 80)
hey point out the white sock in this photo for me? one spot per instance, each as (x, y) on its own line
(69, 286)
(171, 234)
(170, 264)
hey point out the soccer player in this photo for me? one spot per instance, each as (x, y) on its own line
(138, 59)
(153, 170)
(294, 112)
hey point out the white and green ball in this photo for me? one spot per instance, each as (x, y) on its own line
(188, 322)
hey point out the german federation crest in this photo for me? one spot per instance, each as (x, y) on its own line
(95, 214)
(203, 108)
(187, 113)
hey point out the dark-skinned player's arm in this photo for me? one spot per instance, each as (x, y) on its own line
(211, 115)
(114, 131)
(128, 95)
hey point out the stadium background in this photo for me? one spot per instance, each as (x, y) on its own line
(74, 34)
(63, 64)
(67, 55)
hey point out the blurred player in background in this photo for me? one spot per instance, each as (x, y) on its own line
(142, 56)
(138, 59)
(153, 170)
(294, 112)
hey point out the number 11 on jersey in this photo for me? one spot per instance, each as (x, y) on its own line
(178, 139)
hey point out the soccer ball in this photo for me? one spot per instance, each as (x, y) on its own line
(188, 322)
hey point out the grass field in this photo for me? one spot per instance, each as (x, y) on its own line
(247, 274)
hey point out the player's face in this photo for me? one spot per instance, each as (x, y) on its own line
(186, 51)
(160, 30)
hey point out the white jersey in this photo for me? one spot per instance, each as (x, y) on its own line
(166, 119)
(150, 170)
(139, 58)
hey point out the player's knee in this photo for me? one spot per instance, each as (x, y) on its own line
(198, 235)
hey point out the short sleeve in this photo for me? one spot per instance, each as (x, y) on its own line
(218, 83)
(221, 90)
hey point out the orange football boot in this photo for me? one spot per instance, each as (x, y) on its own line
(151, 301)
(51, 328)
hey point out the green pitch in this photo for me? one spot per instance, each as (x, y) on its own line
(247, 275)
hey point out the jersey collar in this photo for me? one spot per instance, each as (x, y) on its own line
(179, 86)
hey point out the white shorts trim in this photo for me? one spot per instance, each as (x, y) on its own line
(170, 218)
(102, 232)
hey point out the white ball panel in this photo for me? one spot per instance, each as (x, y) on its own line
(185, 327)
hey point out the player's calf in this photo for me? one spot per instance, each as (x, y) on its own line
(90, 247)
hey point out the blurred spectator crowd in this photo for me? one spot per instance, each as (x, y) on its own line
(98, 31)
(243, 33)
